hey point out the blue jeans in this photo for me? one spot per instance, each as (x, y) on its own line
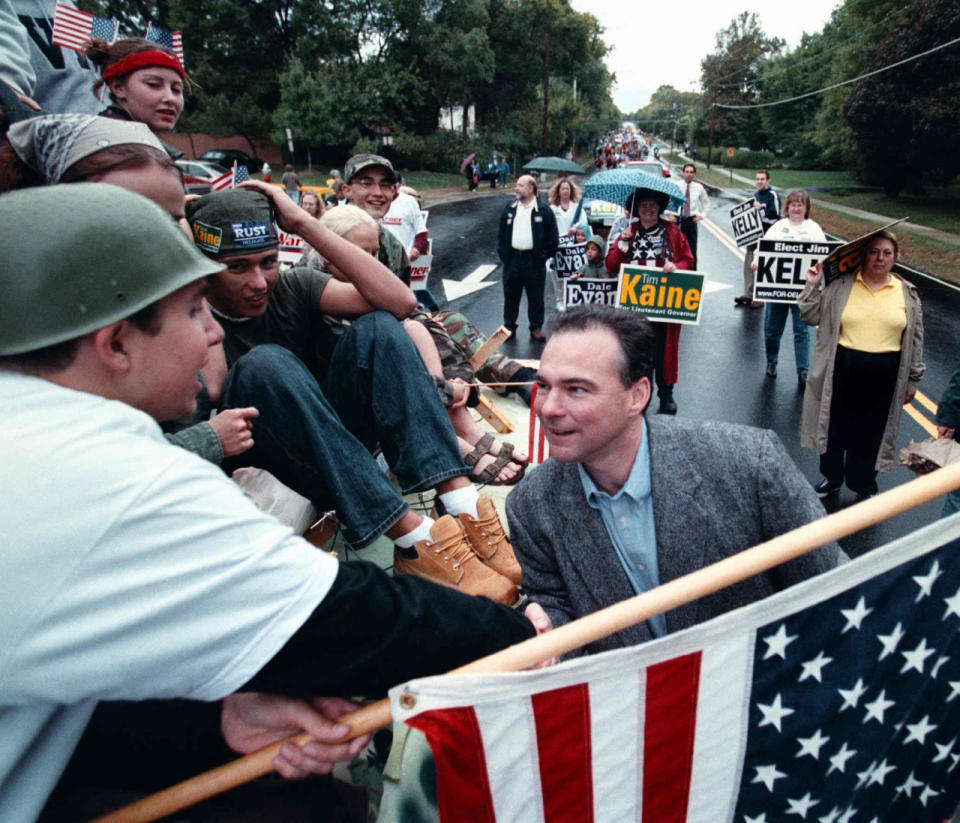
(523, 273)
(773, 325)
(952, 504)
(317, 439)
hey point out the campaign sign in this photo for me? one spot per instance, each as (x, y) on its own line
(570, 256)
(291, 248)
(604, 213)
(590, 290)
(846, 258)
(782, 268)
(420, 270)
(664, 298)
(746, 224)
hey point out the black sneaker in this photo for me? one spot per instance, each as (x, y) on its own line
(825, 488)
(771, 369)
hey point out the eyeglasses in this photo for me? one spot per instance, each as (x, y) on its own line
(370, 183)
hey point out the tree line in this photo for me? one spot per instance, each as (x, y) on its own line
(341, 73)
(895, 128)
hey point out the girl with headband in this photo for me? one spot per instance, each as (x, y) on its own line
(144, 80)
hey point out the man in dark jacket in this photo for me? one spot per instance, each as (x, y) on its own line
(526, 240)
(767, 201)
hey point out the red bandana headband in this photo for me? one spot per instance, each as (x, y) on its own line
(142, 60)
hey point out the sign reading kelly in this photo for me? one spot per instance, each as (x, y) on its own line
(590, 290)
(746, 224)
(782, 268)
(667, 298)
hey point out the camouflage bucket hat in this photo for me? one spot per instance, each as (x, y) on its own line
(238, 221)
(79, 257)
(359, 162)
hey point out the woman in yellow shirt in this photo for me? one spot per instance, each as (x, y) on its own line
(866, 366)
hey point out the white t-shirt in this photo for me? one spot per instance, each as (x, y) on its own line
(404, 220)
(522, 236)
(129, 569)
(808, 231)
(564, 218)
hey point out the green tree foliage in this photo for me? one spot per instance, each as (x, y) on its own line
(669, 112)
(730, 75)
(905, 121)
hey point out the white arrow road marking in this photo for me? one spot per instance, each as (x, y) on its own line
(456, 289)
(715, 285)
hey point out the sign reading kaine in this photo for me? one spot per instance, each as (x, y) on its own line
(570, 256)
(590, 290)
(782, 268)
(745, 220)
(663, 298)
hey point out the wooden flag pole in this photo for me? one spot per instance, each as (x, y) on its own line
(578, 633)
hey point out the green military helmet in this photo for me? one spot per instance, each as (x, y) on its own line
(75, 258)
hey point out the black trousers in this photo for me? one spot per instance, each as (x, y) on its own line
(523, 273)
(688, 226)
(863, 386)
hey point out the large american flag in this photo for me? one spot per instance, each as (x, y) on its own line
(834, 701)
(171, 39)
(230, 179)
(72, 28)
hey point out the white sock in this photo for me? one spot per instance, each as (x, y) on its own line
(421, 532)
(461, 501)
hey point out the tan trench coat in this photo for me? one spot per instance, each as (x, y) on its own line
(824, 309)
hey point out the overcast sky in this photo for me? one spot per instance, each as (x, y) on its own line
(654, 46)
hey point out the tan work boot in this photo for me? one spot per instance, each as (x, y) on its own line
(447, 559)
(489, 541)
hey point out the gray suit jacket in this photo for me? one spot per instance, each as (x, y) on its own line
(717, 489)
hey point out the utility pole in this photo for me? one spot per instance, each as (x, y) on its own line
(546, 97)
(713, 109)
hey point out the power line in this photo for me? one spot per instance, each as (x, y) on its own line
(842, 83)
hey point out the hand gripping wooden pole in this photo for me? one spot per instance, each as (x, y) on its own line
(579, 633)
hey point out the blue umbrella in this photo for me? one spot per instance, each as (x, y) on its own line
(618, 186)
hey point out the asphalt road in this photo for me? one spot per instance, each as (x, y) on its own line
(722, 360)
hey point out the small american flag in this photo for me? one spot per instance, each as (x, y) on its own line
(537, 446)
(165, 37)
(72, 28)
(230, 180)
(834, 701)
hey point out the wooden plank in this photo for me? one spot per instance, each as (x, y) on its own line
(489, 412)
(494, 342)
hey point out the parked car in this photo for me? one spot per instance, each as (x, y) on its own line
(202, 169)
(226, 157)
(192, 184)
(654, 167)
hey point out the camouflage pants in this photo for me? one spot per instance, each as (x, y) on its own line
(457, 339)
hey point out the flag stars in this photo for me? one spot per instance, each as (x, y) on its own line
(954, 690)
(919, 731)
(908, 786)
(777, 643)
(760, 818)
(814, 668)
(953, 605)
(801, 805)
(925, 581)
(863, 778)
(891, 641)
(877, 708)
(812, 745)
(943, 750)
(855, 615)
(852, 696)
(916, 658)
(847, 815)
(830, 817)
(839, 761)
(767, 775)
(774, 713)
(926, 794)
(880, 773)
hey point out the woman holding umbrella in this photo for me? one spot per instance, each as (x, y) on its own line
(648, 240)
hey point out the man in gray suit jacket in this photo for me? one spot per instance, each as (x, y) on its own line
(625, 503)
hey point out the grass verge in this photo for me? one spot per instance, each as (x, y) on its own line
(418, 179)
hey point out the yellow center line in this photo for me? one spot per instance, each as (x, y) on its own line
(723, 237)
(926, 402)
(925, 424)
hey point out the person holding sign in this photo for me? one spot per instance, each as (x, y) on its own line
(866, 367)
(767, 202)
(648, 240)
(797, 225)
